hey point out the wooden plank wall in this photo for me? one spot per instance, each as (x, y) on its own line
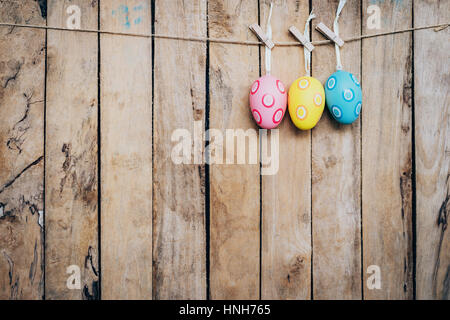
(336, 171)
(126, 152)
(88, 123)
(235, 189)
(22, 92)
(179, 239)
(387, 153)
(71, 157)
(432, 126)
(286, 196)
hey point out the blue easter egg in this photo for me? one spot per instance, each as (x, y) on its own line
(343, 96)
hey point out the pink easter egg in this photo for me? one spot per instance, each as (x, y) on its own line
(268, 100)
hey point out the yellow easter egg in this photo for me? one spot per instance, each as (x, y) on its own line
(306, 101)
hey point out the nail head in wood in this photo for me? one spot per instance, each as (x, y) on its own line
(323, 29)
(297, 34)
(261, 35)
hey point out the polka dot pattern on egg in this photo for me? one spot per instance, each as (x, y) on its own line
(354, 79)
(278, 115)
(331, 83)
(348, 94)
(358, 109)
(318, 99)
(343, 96)
(301, 112)
(336, 111)
(257, 116)
(268, 99)
(306, 102)
(255, 87)
(303, 84)
(280, 87)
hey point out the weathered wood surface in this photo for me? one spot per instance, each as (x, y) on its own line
(234, 189)
(387, 153)
(71, 232)
(179, 253)
(432, 137)
(126, 151)
(22, 76)
(293, 235)
(336, 179)
(286, 195)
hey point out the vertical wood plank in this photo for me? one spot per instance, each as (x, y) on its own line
(336, 191)
(179, 270)
(22, 80)
(286, 196)
(432, 137)
(126, 151)
(234, 195)
(386, 152)
(71, 152)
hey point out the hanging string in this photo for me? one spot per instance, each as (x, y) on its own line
(436, 27)
(306, 52)
(336, 31)
(268, 58)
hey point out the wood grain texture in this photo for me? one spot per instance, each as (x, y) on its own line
(234, 193)
(336, 179)
(387, 153)
(432, 137)
(22, 76)
(71, 153)
(179, 270)
(301, 228)
(126, 151)
(286, 196)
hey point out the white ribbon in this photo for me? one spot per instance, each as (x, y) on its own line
(306, 52)
(269, 36)
(336, 31)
